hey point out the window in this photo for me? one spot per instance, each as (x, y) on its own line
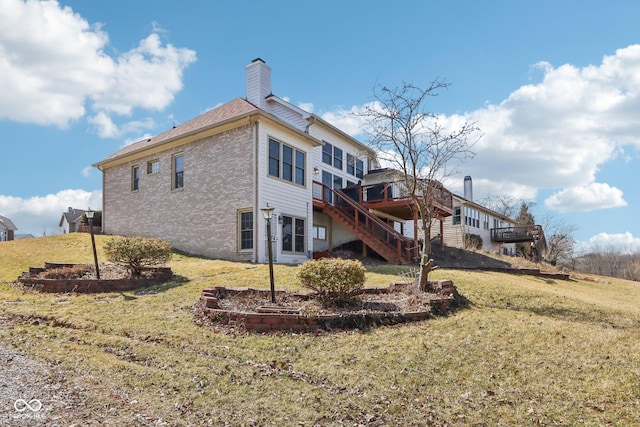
(355, 166)
(471, 217)
(319, 232)
(274, 158)
(337, 182)
(153, 166)
(485, 221)
(178, 171)
(286, 162)
(337, 158)
(135, 178)
(293, 235)
(456, 215)
(359, 168)
(246, 230)
(327, 153)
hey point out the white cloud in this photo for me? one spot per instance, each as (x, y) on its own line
(41, 214)
(619, 243)
(86, 171)
(38, 43)
(590, 197)
(349, 120)
(104, 125)
(551, 135)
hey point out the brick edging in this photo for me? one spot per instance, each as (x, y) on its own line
(256, 321)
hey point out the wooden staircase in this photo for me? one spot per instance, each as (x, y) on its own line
(371, 230)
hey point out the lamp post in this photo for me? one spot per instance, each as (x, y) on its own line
(89, 215)
(267, 213)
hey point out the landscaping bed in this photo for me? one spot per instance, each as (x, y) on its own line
(81, 278)
(251, 309)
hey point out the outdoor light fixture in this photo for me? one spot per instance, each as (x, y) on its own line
(267, 213)
(316, 171)
(89, 215)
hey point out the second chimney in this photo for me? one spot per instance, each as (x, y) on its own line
(468, 188)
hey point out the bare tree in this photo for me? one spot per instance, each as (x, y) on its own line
(415, 142)
(560, 241)
(503, 204)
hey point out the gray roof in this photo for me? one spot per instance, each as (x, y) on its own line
(71, 215)
(5, 223)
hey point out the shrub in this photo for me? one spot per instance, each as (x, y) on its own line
(333, 279)
(136, 253)
(473, 241)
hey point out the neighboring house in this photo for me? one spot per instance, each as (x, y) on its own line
(201, 185)
(7, 229)
(470, 218)
(71, 220)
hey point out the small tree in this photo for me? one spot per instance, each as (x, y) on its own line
(417, 144)
(137, 252)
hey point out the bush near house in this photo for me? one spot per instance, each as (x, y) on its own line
(137, 252)
(473, 241)
(334, 279)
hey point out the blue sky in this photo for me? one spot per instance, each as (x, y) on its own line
(554, 86)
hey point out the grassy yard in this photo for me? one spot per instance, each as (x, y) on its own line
(526, 351)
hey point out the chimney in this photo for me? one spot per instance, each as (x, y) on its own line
(258, 82)
(468, 188)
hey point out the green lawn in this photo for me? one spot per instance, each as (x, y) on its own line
(526, 351)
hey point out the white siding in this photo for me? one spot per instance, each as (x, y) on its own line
(287, 198)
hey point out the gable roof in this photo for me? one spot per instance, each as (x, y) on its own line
(5, 223)
(224, 114)
(218, 116)
(71, 215)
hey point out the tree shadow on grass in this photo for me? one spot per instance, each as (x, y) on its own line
(175, 281)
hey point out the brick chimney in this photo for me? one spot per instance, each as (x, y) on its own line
(258, 82)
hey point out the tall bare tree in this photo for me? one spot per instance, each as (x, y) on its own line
(415, 142)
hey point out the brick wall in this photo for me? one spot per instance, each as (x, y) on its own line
(200, 218)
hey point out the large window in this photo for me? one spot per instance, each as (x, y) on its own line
(245, 219)
(286, 162)
(178, 171)
(332, 155)
(135, 178)
(485, 221)
(293, 232)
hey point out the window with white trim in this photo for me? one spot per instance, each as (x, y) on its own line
(293, 235)
(286, 162)
(319, 232)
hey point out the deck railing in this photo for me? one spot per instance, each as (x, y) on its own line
(362, 219)
(517, 233)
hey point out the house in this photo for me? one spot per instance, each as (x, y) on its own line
(71, 220)
(201, 185)
(7, 229)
